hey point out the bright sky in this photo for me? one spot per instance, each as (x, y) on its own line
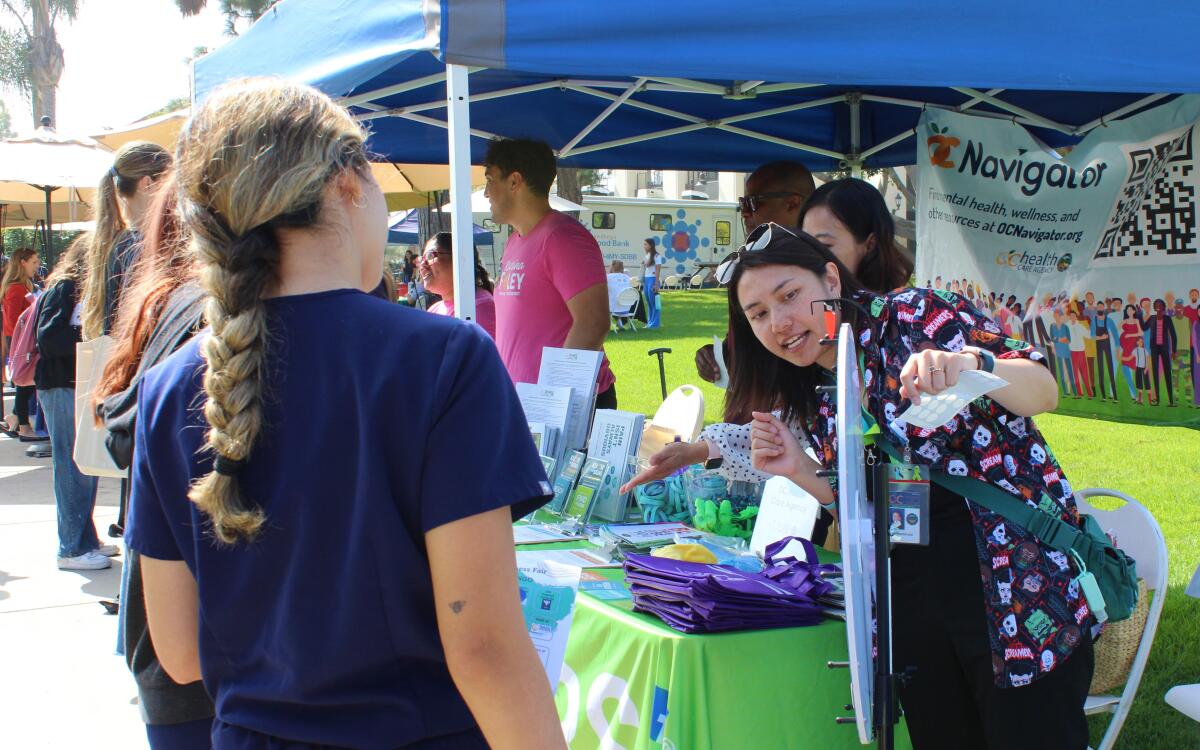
(124, 60)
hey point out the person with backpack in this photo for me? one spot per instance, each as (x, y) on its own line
(16, 288)
(58, 330)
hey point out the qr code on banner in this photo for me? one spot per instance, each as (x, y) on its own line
(1154, 219)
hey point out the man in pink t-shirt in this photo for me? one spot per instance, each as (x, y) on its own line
(552, 290)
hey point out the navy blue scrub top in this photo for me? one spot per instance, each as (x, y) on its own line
(381, 422)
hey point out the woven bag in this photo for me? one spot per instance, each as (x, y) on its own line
(1118, 645)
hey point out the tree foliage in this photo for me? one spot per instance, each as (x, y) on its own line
(31, 59)
(235, 11)
(14, 63)
(5, 122)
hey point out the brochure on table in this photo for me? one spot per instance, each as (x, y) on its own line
(541, 534)
(615, 439)
(548, 589)
(579, 370)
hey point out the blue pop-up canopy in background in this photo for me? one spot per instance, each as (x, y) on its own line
(699, 75)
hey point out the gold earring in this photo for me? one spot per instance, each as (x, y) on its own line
(356, 203)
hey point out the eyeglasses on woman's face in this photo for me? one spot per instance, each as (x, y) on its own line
(431, 255)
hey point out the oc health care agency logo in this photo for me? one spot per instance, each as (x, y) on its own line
(1020, 260)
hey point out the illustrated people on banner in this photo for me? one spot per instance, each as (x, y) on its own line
(1104, 333)
(1161, 344)
(1195, 362)
(1078, 349)
(1043, 319)
(1183, 351)
(1027, 321)
(1130, 336)
(1061, 335)
(1141, 358)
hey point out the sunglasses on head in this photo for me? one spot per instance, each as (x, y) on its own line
(759, 238)
(751, 203)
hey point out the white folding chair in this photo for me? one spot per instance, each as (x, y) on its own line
(697, 281)
(624, 308)
(1138, 534)
(1186, 698)
(671, 282)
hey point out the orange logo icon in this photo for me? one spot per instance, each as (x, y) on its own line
(940, 145)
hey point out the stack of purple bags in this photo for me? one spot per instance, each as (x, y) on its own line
(704, 598)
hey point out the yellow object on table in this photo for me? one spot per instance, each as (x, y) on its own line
(696, 553)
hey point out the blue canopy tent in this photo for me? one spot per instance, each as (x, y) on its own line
(698, 84)
(405, 230)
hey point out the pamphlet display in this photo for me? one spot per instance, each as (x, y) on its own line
(548, 465)
(615, 439)
(578, 509)
(577, 369)
(548, 590)
(572, 464)
(549, 406)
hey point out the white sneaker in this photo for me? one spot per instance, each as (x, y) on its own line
(108, 550)
(86, 561)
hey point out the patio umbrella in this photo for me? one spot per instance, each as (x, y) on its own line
(404, 185)
(44, 162)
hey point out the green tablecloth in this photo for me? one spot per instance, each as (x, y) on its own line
(632, 682)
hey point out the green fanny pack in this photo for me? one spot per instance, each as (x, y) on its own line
(1115, 572)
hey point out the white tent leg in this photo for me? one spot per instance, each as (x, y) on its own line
(854, 158)
(458, 108)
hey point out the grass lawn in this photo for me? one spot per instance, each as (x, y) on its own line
(1158, 466)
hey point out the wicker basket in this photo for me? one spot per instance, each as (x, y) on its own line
(1118, 645)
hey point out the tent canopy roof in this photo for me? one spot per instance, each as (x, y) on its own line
(693, 78)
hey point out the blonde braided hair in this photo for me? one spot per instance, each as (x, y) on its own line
(256, 157)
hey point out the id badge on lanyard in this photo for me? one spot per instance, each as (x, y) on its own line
(908, 503)
(907, 487)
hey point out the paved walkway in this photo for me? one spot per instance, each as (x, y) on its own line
(62, 687)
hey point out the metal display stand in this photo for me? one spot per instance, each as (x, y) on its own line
(866, 548)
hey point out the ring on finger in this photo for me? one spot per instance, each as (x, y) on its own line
(936, 369)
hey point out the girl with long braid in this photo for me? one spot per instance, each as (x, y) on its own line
(249, 508)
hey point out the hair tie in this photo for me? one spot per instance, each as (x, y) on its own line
(113, 171)
(228, 467)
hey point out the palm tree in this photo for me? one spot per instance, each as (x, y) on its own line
(233, 10)
(31, 59)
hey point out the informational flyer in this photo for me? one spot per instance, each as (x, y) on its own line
(539, 534)
(548, 591)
